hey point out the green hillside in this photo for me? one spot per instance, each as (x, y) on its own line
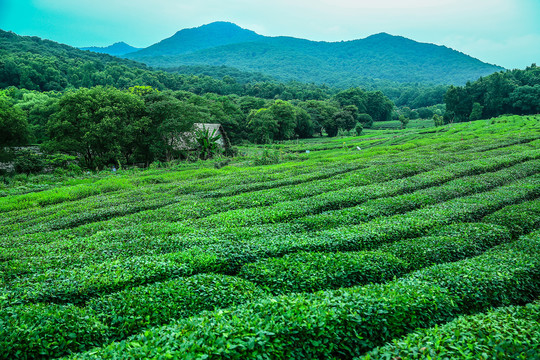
(309, 249)
(28, 62)
(347, 63)
(204, 37)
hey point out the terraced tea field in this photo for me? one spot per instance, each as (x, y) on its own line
(423, 244)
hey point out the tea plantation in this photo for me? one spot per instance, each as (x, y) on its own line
(400, 244)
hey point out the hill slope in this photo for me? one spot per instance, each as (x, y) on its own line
(116, 49)
(349, 63)
(200, 38)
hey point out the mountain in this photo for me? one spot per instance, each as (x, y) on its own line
(346, 63)
(116, 49)
(200, 38)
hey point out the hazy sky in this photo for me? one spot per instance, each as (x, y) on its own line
(502, 32)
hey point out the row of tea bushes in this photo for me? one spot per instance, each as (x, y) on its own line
(242, 199)
(313, 271)
(447, 244)
(177, 182)
(346, 322)
(145, 198)
(102, 245)
(113, 205)
(372, 235)
(49, 330)
(80, 284)
(116, 316)
(511, 332)
(351, 196)
(520, 219)
(418, 199)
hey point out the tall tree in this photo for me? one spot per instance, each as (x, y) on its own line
(102, 125)
(13, 125)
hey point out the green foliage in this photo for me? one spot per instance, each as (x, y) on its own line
(447, 244)
(476, 112)
(132, 310)
(359, 128)
(309, 272)
(101, 125)
(366, 120)
(342, 64)
(404, 121)
(208, 142)
(42, 331)
(28, 161)
(151, 258)
(510, 92)
(439, 121)
(497, 278)
(507, 333)
(13, 125)
(520, 219)
(334, 324)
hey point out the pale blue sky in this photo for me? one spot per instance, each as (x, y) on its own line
(502, 32)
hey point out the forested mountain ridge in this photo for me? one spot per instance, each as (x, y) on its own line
(190, 40)
(116, 49)
(29, 62)
(343, 64)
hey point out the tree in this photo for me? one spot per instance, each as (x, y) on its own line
(404, 121)
(353, 96)
(101, 125)
(476, 112)
(359, 128)
(285, 117)
(526, 99)
(379, 106)
(13, 125)
(168, 119)
(304, 125)
(438, 120)
(366, 120)
(263, 126)
(344, 121)
(322, 115)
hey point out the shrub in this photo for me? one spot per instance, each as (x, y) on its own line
(500, 277)
(449, 243)
(307, 272)
(335, 324)
(507, 333)
(520, 219)
(47, 331)
(134, 309)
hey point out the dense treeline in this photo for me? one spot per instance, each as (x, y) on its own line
(104, 125)
(510, 92)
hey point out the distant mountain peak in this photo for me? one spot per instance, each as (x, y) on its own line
(116, 49)
(207, 36)
(380, 56)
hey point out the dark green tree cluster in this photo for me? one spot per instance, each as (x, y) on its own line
(105, 125)
(510, 92)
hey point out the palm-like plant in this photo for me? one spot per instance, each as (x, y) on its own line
(208, 142)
